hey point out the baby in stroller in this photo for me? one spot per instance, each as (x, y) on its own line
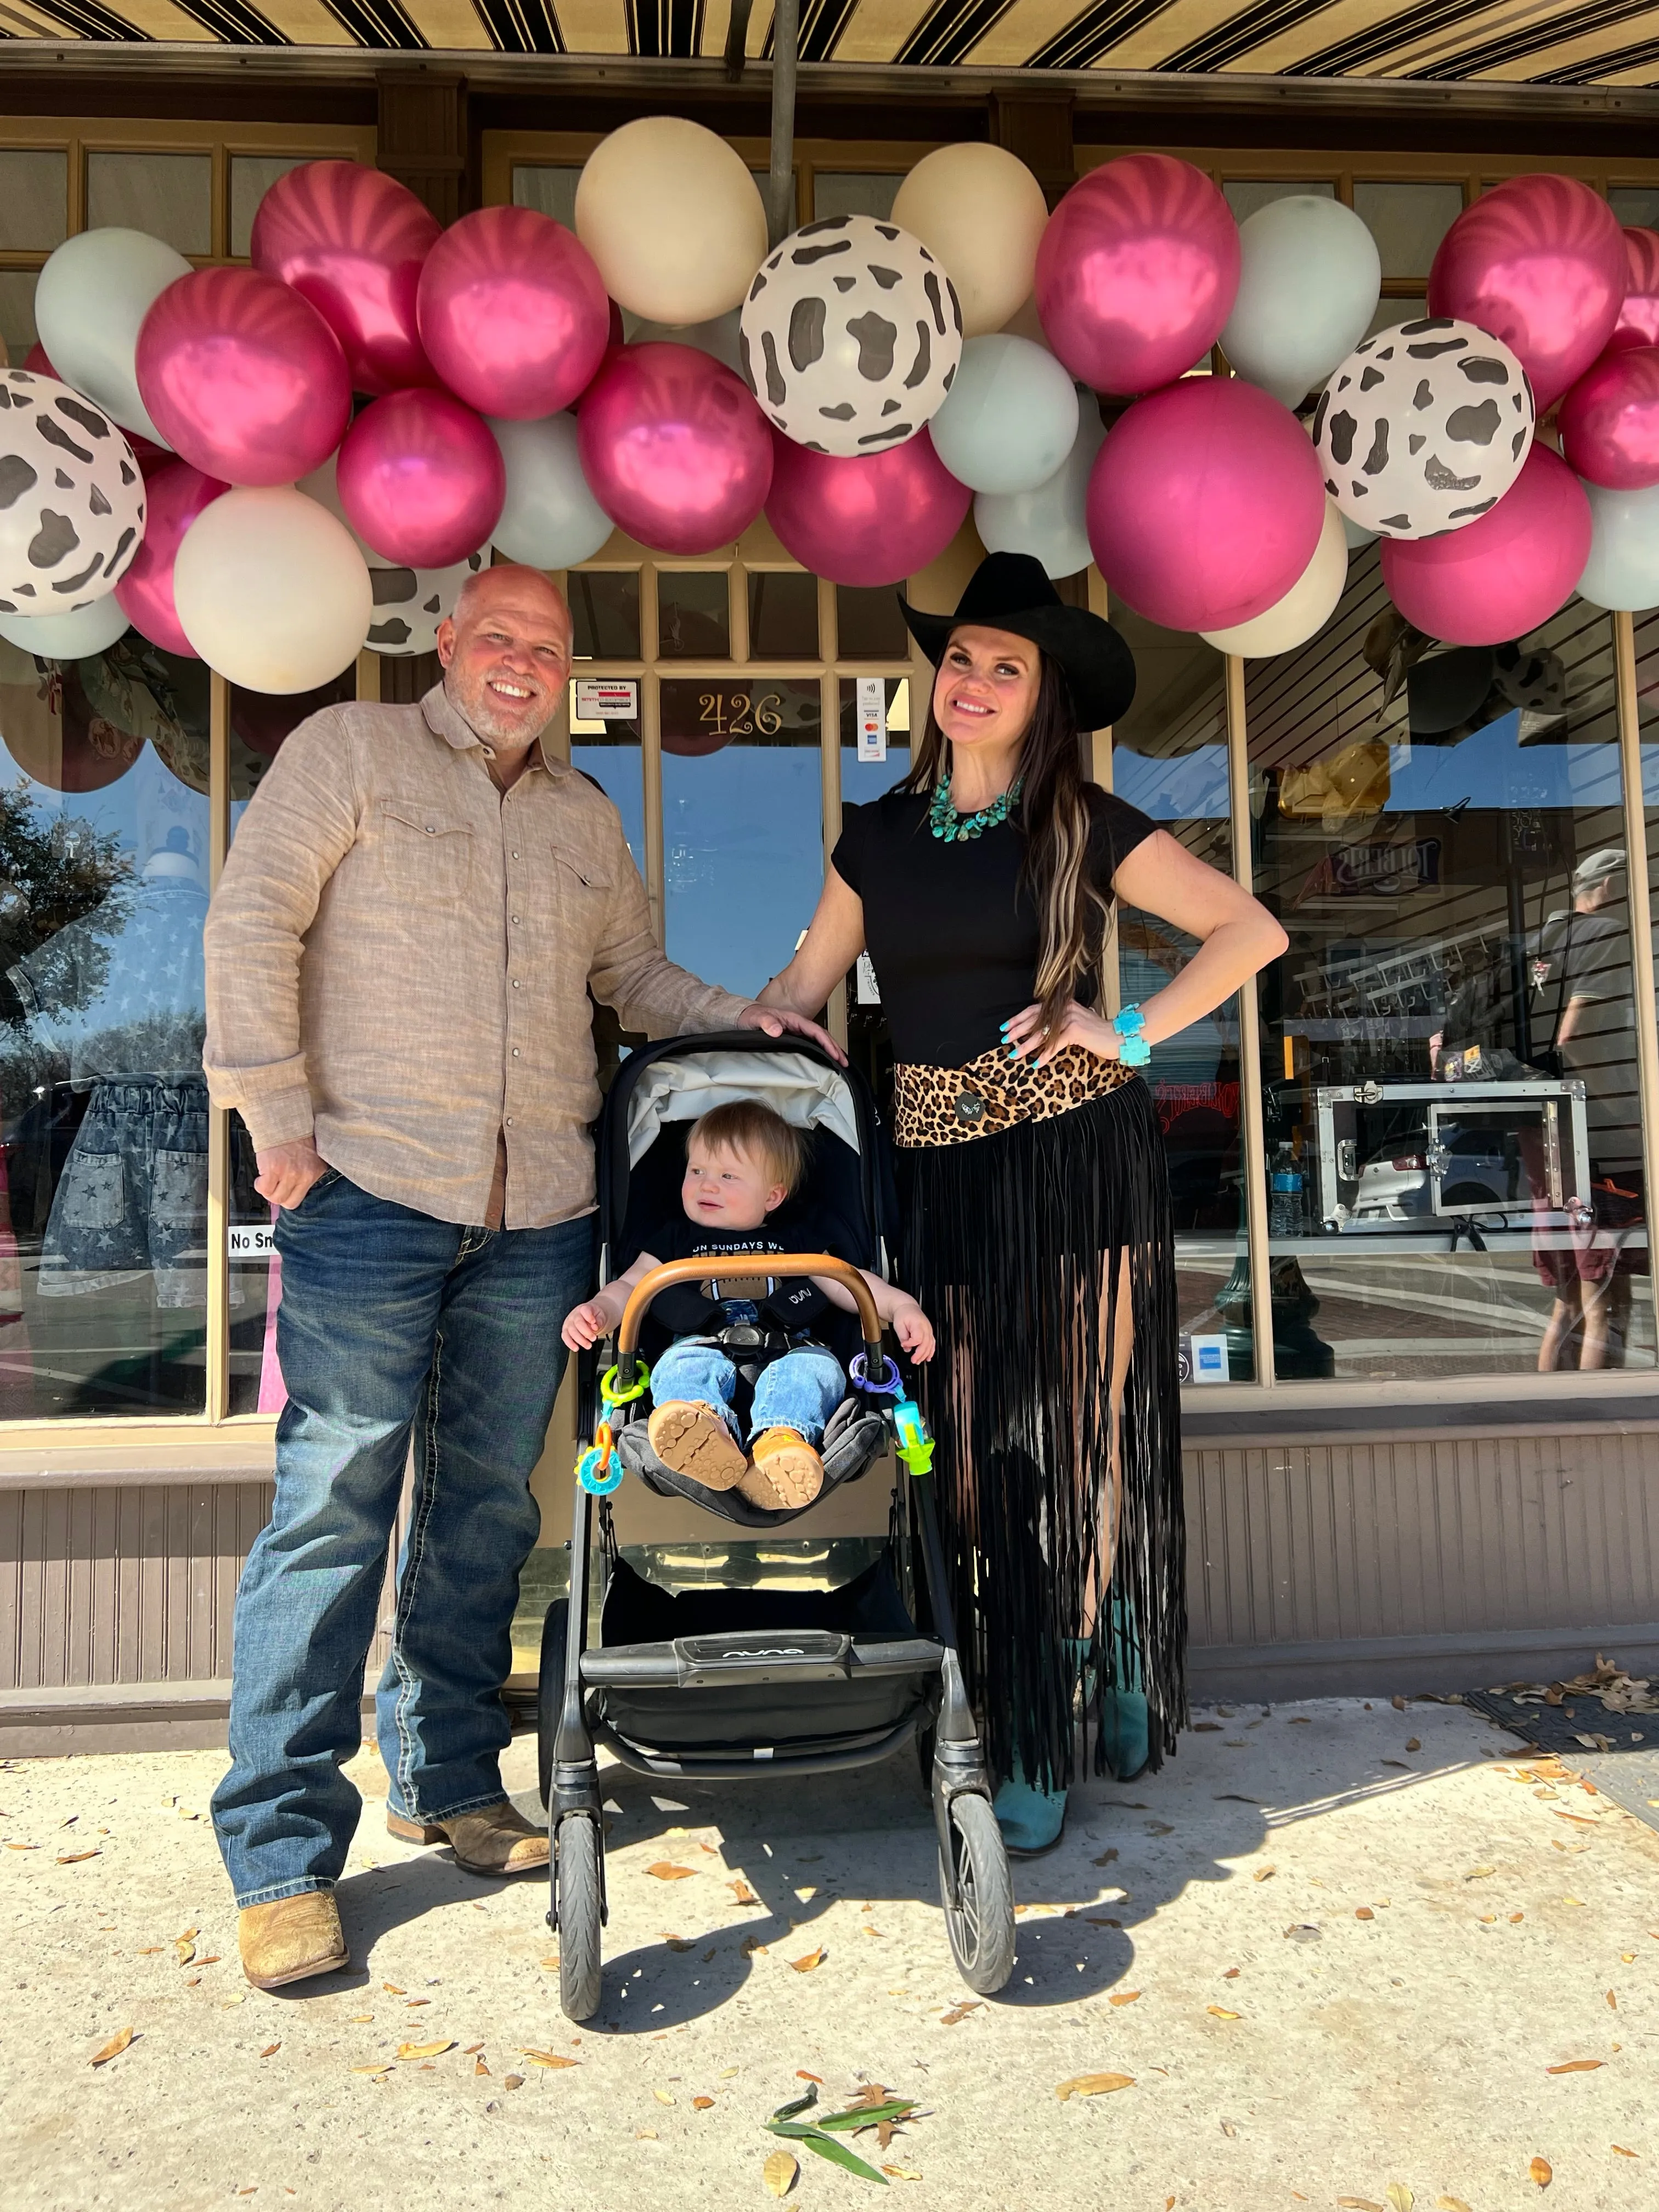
(742, 1163)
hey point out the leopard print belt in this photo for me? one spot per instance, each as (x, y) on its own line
(954, 1105)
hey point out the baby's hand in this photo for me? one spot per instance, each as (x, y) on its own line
(914, 1330)
(585, 1325)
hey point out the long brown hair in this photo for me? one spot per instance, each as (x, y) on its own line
(1053, 815)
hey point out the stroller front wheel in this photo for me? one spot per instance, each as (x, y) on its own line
(577, 1906)
(981, 1924)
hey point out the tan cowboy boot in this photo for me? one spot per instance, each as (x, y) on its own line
(290, 1939)
(788, 1472)
(495, 1840)
(693, 1439)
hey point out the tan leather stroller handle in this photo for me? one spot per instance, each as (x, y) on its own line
(774, 1264)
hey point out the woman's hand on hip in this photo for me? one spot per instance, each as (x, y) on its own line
(1082, 1025)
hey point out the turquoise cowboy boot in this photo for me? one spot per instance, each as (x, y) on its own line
(1125, 1733)
(1031, 1819)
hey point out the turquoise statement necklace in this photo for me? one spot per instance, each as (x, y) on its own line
(943, 820)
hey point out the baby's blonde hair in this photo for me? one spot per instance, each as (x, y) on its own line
(755, 1132)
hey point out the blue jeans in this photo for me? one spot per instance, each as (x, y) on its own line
(390, 1322)
(799, 1390)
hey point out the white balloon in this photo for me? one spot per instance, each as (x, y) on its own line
(1051, 522)
(92, 296)
(71, 498)
(1424, 427)
(720, 339)
(673, 218)
(1010, 417)
(1623, 570)
(409, 604)
(74, 636)
(551, 519)
(852, 336)
(272, 591)
(1309, 282)
(1305, 608)
(979, 212)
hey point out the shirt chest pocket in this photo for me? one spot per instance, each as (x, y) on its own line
(425, 854)
(579, 885)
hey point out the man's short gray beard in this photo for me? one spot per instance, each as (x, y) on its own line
(482, 722)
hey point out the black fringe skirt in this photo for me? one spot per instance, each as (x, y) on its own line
(1016, 1244)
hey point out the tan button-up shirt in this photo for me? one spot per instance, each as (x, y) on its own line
(398, 958)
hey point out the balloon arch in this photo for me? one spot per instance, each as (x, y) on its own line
(220, 457)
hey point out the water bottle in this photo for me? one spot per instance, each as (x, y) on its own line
(1285, 1194)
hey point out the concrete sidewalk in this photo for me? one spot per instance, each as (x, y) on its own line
(1337, 1950)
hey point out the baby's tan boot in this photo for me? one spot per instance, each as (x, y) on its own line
(693, 1439)
(788, 1472)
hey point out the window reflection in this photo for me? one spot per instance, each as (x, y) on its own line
(693, 614)
(607, 750)
(103, 1106)
(783, 615)
(605, 613)
(1170, 759)
(868, 625)
(743, 816)
(861, 780)
(1452, 1123)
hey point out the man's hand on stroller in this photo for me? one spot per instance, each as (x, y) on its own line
(913, 1329)
(777, 1020)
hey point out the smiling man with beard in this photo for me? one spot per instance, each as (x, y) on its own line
(399, 955)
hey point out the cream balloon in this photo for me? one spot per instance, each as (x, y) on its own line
(1305, 608)
(74, 637)
(272, 591)
(89, 302)
(979, 212)
(673, 218)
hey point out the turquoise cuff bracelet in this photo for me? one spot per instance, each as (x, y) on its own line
(1133, 1049)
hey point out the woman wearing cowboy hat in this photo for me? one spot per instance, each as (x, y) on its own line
(1036, 1214)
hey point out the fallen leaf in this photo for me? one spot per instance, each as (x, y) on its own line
(478, 2068)
(392, 1990)
(662, 2096)
(1572, 1900)
(1398, 2195)
(1541, 2171)
(806, 1965)
(1264, 1873)
(701, 2104)
(901, 2173)
(778, 2172)
(679, 1942)
(112, 2049)
(183, 1949)
(1514, 1917)
(727, 2073)
(1364, 1913)
(270, 2051)
(665, 1870)
(74, 1858)
(360, 2020)
(1613, 2001)
(1105, 1858)
(1399, 1704)
(1577, 2066)
(426, 2050)
(551, 1962)
(1093, 2085)
(801, 2075)
(1479, 1874)
(1124, 1997)
(1623, 2152)
(22, 1847)
(740, 1890)
(151, 1950)
(512, 2082)
(749, 1948)
(550, 2059)
(1222, 2013)
(1413, 1743)
(1232, 1974)
(415, 2004)
(956, 2013)
(1359, 2204)
(646, 2135)
(1450, 2204)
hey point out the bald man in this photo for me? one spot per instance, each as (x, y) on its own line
(418, 900)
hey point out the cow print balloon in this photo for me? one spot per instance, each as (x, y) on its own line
(1423, 427)
(851, 335)
(411, 603)
(71, 498)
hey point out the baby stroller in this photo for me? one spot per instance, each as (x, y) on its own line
(721, 1683)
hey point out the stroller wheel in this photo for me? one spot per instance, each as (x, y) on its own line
(550, 1695)
(576, 1900)
(981, 1924)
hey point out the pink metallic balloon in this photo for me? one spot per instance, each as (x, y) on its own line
(421, 479)
(244, 378)
(175, 494)
(871, 518)
(351, 241)
(1538, 261)
(1136, 272)
(1204, 504)
(1638, 318)
(1502, 575)
(1609, 420)
(674, 448)
(512, 313)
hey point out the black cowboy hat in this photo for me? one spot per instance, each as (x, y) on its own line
(1012, 592)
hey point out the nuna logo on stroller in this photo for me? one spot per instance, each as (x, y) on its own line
(720, 1683)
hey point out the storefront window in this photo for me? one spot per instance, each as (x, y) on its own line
(783, 615)
(103, 1107)
(1408, 222)
(33, 200)
(1170, 759)
(605, 614)
(868, 625)
(607, 750)
(693, 614)
(1449, 1074)
(166, 196)
(743, 822)
(251, 176)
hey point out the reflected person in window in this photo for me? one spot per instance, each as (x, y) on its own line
(417, 903)
(1036, 1227)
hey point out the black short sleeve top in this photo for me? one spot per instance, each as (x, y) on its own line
(950, 929)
